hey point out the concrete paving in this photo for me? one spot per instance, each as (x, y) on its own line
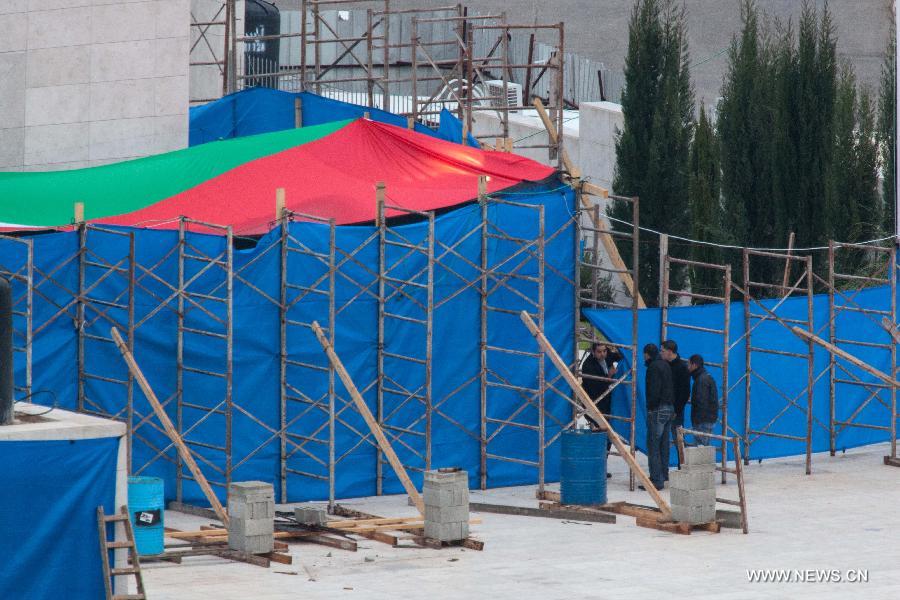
(842, 517)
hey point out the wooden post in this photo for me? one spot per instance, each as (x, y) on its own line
(807, 336)
(595, 413)
(785, 280)
(601, 223)
(574, 171)
(380, 195)
(410, 123)
(482, 187)
(367, 115)
(279, 203)
(663, 273)
(298, 112)
(183, 450)
(79, 212)
(370, 420)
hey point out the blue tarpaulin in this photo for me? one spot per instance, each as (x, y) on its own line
(262, 110)
(48, 516)
(256, 332)
(777, 379)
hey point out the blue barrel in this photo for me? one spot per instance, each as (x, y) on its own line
(147, 509)
(583, 472)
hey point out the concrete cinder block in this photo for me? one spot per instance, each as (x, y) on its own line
(729, 518)
(446, 532)
(445, 497)
(311, 514)
(699, 455)
(456, 477)
(251, 488)
(689, 480)
(693, 497)
(251, 527)
(251, 510)
(447, 514)
(254, 544)
(694, 514)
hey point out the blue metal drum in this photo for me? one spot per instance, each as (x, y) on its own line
(583, 472)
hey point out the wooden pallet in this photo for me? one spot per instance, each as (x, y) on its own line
(417, 539)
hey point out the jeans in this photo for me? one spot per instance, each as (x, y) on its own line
(702, 440)
(659, 425)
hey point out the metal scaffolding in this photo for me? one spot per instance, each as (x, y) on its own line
(587, 292)
(722, 332)
(752, 321)
(17, 266)
(204, 350)
(844, 289)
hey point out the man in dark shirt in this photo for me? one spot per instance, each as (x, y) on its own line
(704, 399)
(681, 382)
(598, 371)
(659, 395)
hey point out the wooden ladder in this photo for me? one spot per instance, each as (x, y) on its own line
(106, 546)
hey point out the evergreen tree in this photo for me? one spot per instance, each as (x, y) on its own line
(886, 131)
(868, 199)
(841, 213)
(652, 151)
(706, 207)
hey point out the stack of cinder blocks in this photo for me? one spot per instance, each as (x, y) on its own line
(446, 497)
(693, 487)
(251, 517)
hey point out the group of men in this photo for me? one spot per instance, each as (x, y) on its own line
(668, 389)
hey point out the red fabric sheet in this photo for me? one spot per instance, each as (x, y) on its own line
(335, 177)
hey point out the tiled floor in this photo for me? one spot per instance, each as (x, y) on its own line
(844, 516)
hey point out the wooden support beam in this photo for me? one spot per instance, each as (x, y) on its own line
(785, 279)
(363, 409)
(589, 407)
(549, 513)
(891, 328)
(298, 112)
(279, 203)
(183, 450)
(595, 190)
(573, 170)
(380, 196)
(807, 336)
(79, 212)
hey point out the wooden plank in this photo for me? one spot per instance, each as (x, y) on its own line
(183, 450)
(846, 356)
(785, 279)
(79, 212)
(554, 138)
(549, 513)
(363, 409)
(190, 509)
(279, 203)
(651, 523)
(602, 223)
(595, 413)
(284, 559)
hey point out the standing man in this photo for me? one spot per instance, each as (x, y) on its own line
(659, 394)
(681, 383)
(704, 399)
(598, 371)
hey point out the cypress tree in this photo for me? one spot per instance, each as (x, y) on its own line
(652, 151)
(841, 214)
(868, 199)
(886, 130)
(706, 207)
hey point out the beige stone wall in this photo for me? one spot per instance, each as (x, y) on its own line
(88, 82)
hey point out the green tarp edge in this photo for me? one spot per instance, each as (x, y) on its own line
(48, 199)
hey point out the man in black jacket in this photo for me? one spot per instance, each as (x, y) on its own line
(659, 394)
(681, 382)
(598, 371)
(704, 399)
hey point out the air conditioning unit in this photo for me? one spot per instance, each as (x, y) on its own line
(494, 89)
